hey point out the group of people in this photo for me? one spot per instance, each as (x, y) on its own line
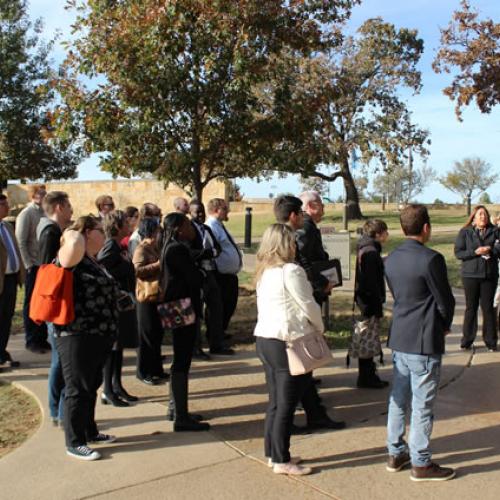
(134, 254)
(123, 264)
(290, 292)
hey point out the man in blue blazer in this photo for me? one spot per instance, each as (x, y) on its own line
(422, 316)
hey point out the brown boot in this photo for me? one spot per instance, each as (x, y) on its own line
(397, 462)
(431, 472)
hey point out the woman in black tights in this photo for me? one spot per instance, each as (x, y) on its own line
(180, 278)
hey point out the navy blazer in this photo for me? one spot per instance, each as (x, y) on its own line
(423, 301)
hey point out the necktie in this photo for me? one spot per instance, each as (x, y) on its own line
(11, 251)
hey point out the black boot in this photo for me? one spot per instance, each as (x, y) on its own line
(367, 375)
(118, 388)
(179, 394)
(108, 397)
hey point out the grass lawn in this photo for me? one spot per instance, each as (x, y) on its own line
(446, 224)
(20, 417)
(447, 218)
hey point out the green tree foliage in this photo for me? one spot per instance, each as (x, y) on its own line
(28, 148)
(469, 176)
(346, 107)
(485, 199)
(402, 184)
(472, 48)
(172, 87)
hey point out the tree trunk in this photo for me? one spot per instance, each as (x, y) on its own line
(352, 198)
(469, 196)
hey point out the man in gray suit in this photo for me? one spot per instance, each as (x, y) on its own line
(422, 317)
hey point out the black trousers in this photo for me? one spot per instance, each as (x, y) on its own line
(285, 391)
(7, 308)
(149, 361)
(228, 285)
(214, 311)
(311, 402)
(35, 334)
(479, 292)
(82, 360)
(183, 342)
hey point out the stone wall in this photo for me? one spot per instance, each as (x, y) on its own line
(124, 192)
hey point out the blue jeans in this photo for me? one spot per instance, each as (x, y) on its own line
(415, 382)
(56, 380)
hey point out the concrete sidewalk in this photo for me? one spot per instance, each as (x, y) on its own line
(149, 461)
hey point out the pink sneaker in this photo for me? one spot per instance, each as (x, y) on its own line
(293, 460)
(291, 469)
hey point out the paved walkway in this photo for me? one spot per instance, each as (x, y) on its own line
(149, 461)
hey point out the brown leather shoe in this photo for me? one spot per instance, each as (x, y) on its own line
(431, 472)
(396, 463)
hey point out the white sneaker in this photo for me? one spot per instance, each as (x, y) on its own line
(83, 453)
(293, 460)
(291, 469)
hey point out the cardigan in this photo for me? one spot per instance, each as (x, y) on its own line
(286, 308)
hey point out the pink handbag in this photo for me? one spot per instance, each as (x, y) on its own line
(307, 353)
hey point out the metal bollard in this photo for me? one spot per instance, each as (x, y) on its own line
(248, 227)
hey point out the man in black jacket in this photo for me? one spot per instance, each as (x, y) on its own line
(422, 316)
(310, 244)
(288, 210)
(58, 212)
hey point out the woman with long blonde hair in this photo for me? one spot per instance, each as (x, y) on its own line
(286, 311)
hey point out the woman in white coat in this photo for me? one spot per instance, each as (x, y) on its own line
(286, 310)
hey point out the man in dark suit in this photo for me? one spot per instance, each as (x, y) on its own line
(288, 210)
(422, 316)
(12, 274)
(310, 244)
(204, 249)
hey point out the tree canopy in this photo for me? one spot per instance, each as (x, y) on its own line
(173, 87)
(402, 184)
(346, 107)
(28, 148)
(471, 47)
(468, 177)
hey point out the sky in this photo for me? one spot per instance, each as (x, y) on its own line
(477, 135)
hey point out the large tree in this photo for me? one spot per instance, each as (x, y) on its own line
(172, 87)
(469, 176)
(346, 108)
(471, 48)
(28, 148)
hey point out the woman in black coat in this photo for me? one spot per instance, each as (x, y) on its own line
(369, 294)
(478, 247)
(180, 278)
(121, 268)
